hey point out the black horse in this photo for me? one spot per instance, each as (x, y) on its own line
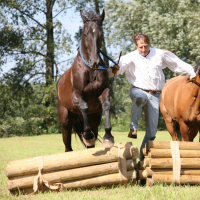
(83, 91)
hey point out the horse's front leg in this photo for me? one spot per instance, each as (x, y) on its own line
(108, 139)
(88, 135)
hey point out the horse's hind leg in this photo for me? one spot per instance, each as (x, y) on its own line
(193, 133)
(170, 123)
(66, 120)
(108, 139)
(171, 127)
(184, 130)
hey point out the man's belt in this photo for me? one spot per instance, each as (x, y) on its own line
(152, 91)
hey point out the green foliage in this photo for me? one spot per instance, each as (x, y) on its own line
(171, 24)
(43, 37)
(27, 113)
(21, 127)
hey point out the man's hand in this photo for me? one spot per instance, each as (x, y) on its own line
(114, 71)
(192, 80)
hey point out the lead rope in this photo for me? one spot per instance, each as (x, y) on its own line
(39, 180)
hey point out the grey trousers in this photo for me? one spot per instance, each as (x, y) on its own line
(151, 103)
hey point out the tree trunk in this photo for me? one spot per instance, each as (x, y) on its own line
(168, 179)
(166, 145)
(50, 44)
(187, 163)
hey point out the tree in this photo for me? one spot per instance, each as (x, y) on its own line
(43, 37)
(35, 39)
(171, 24)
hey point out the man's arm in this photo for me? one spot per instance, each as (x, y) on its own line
(176, 65)
(123, 65)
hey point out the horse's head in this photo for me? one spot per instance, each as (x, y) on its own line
(92, 37)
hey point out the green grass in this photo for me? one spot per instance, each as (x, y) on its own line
(25, 147)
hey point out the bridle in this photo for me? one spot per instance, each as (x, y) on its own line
(87, 64)
(100, 67)
(198, 84)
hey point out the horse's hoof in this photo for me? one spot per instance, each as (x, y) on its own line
(108, 143)
(89, 142)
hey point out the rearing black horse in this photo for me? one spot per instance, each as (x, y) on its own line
(83, 92)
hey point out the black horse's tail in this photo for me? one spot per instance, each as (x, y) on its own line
(78, 128)
(178, 132)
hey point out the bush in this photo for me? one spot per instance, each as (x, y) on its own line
(20, 127)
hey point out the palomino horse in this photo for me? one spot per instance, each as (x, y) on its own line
(180, 103)
(83, 91)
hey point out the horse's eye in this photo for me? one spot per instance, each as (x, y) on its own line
(85, 34)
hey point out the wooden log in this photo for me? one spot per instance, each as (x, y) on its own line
(149, 182)
(166, 145)
(68, 175)
(141, 165)
(168, 163)
(142, 175)
(166, 153)
(71, 160)
(105, 180)
(168, 179)
(149, 172)
(146, 162)
(144, 152)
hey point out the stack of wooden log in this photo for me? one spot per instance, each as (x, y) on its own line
(170, 162)
(79, 169)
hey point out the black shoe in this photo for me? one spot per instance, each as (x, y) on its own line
(132, 134)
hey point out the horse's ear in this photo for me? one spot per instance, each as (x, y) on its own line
(198, 62)
(83, 16)
(102, 16)
(197, 67)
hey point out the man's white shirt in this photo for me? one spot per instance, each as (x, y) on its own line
(146, 72)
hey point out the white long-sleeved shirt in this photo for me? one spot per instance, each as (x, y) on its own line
(146, 72)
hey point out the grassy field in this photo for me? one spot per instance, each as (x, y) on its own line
(25, 147)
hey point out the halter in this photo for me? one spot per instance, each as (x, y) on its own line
(100, 67)
(198, 84)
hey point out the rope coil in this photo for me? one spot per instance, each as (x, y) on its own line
(39, 181)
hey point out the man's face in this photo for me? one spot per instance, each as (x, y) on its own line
(143, 48)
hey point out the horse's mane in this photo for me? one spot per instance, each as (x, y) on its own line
(90, 14)
(197, 67)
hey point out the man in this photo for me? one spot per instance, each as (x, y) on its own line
(143, 69)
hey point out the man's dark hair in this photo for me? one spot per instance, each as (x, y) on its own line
(141, 36)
